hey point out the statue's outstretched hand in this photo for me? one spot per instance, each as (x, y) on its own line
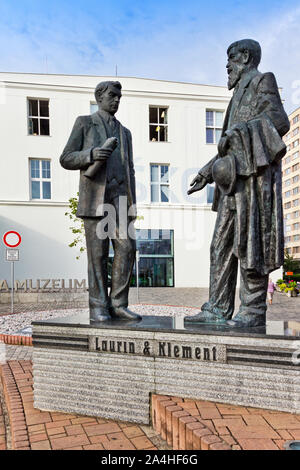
(197, 184)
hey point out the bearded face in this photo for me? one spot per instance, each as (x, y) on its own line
(235, 67)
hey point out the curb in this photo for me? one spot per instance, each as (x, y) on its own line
(180, 429)
(15, 408)
(17, 340)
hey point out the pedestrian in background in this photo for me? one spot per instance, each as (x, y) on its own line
(271, 288)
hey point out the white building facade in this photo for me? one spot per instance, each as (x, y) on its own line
(175, 129)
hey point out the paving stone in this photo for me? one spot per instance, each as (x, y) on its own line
(69, 441)
(257, 444)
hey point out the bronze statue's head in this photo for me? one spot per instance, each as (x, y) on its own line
(242, 56)
(108, 95)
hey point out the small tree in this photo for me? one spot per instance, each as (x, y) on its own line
(289, 264)
(78, 226)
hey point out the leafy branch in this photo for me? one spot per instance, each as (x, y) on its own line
(78, 226)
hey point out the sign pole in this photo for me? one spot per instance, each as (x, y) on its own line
(137, 275)
(11, 240)
(12, 285)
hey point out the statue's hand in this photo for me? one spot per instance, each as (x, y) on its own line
(223, 146)
(99, 154)
(104, 152)
(197, 184)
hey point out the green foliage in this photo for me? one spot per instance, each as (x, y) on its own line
(282, 286)
(291, 286)
(296, 277)
(289, 264)
(77, 228)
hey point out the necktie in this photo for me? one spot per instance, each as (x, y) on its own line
(112, 123)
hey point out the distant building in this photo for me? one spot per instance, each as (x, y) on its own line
(175, 128)
(291, 186)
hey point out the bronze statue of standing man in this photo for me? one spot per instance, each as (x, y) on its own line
(247, 176)
(101, 148)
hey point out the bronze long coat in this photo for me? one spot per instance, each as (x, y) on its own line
(256, 117)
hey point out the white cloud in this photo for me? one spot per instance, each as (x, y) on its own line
(180, 46)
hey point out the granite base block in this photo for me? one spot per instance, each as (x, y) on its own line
(111, 369)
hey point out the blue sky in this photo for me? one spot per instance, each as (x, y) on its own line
(169, 40)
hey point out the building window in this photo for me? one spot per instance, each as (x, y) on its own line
(296, 131)
(287, 205)
(287, 160)
(296, 119)
(287, 171)
(287, 194)
(287, 239)
(295, 179)
(296, 190)
(296, 214)
(287, 182)
(296, 249)
(40, 179)
(288, 216)
(214, 124)
(296, 226)
(159, 177)
(93, 108)
(295, 155)
(296, 143)
(295, 167)
(156, 251)
(296, 238)
(158, 124)
(288, 228)
(296, 202)
(156, 258)
(38, 117)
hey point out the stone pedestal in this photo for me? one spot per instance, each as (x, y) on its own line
(110, 370)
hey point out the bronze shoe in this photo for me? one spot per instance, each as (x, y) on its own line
(206, 317)
(99, 315)
(247, 320)
(123, 313)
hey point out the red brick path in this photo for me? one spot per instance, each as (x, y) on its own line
(32, 429)
(185, 424)
(2, 430)
(196, 424)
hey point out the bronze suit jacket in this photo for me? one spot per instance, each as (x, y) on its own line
(90, 132)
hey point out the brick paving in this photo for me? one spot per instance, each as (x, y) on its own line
(32, 429)
(201, 425)
(3, 439)
(179, 424)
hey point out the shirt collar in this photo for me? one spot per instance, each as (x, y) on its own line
(105, 115)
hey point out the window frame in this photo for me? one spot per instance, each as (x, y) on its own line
(159, 183)
(41, 179)
(214, 127)
(38, 116)
(158, 124)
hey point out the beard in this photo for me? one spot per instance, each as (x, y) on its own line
(234, 75)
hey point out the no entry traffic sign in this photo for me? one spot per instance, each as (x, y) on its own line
(12, 239)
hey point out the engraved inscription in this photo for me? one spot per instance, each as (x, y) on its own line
(158, 349)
